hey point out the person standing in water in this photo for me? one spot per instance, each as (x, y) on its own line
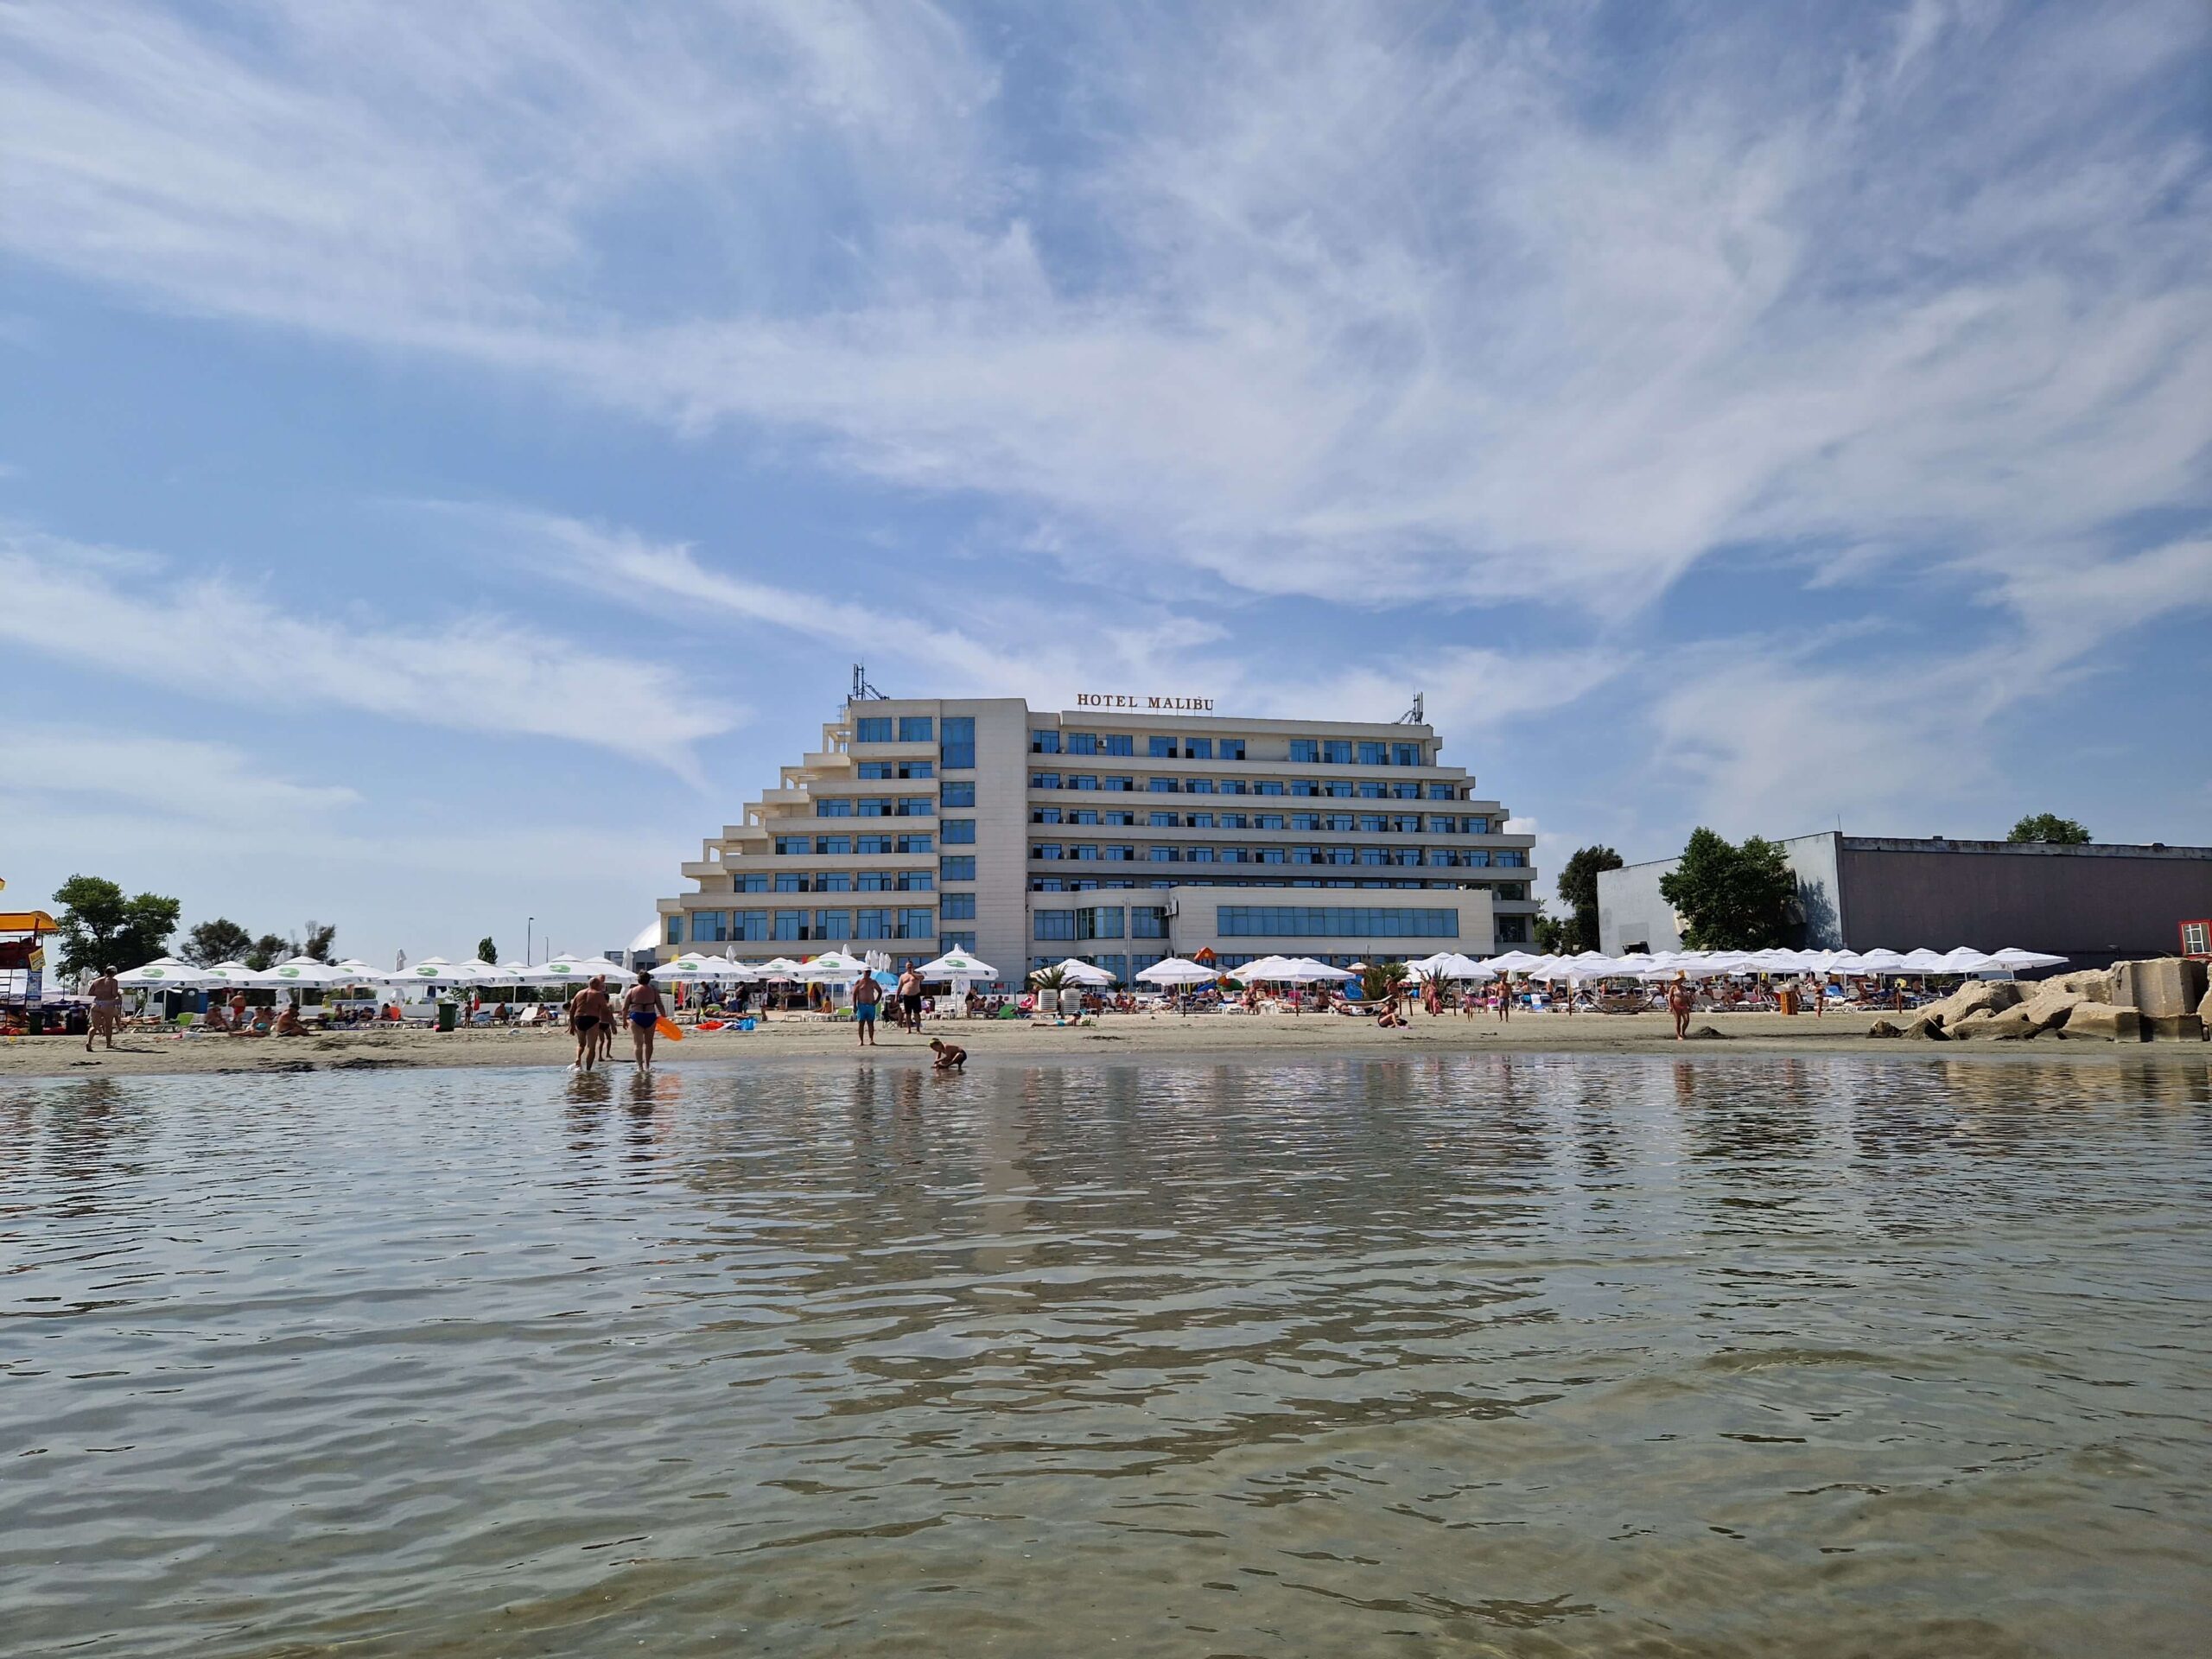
(107, 1008)
(866, 995)
(589, 1013)
(643, 1005)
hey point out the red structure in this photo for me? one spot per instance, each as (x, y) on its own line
(2196, 938)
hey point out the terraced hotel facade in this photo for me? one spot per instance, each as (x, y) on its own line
(1118, 834)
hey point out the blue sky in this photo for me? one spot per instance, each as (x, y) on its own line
(450, 455)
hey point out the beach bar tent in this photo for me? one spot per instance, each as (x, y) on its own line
(23, 954)
(963, 971)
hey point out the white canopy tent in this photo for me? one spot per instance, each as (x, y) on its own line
(831, 968)
(1075, 971)
(1176, 971)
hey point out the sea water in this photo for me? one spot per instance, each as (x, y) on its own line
(1469, 1354)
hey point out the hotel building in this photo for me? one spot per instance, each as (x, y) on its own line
(1123, 831)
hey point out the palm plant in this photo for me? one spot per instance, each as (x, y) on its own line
(1048, 979)
(1381, 980)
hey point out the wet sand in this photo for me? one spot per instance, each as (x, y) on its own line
(1120, 1035)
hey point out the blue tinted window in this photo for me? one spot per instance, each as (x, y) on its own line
(877, 729)
(1197, 748)
(956, 907)
(1119, 743)
(790, 923)
(1148, 922)
(1083, 742)
(1044, 742)
(957, 741)
(921, 843)
(956, 942)
(956, 794)
(960, 868)
(675, 930)
(1337, 751)
(1054, 923)
(1305, 749)
(1330, 921)
(1120, 783)
(754, 881)
(957, 831)
(838, 845)
(917, 728)
(1160, 748)
(1232, 748)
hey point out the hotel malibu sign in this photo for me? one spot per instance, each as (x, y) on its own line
(1155, 705)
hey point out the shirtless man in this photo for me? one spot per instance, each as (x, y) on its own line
(107, 1008)
(642, 1007)
(288, 1023)
(867, 996)
(589, 1012)
(910, 998)
(237, 1012)
(951, 1057)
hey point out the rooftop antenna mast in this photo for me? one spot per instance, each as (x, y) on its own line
(862, 691)
(1416, 715)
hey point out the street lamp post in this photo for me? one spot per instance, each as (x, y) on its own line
(529, 937)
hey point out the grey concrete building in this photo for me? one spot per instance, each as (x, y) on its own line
(2094, 904)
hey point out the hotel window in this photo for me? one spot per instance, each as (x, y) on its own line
(1101, 922)
(1374, 754)
(916, 882)
(835, 846)
(1232, 748)
(1043, 781)
(1373, 855)
(1477, 826)
(1198, 820)
(1044, 815)
(1120, 786)
(1160, 855)
(1047, 850)
(1121, 855)
(874, 881)
(833, 924)
(1083, 742)
(875, 806)
(1119, 743)
(1046, 884)
(958, 868)
(1160, 748)
(918, 843)
(1270, 855)
(877, 729)
(916, 769)
(1054, 925)
(913, 806)
(1337, 792)
(1044, 742)
(1512, 861)
(1198, 785)
(1441, 792)
(1336, 821)
(956, 907)
(675, 930)
(790, 881)
(1405, 791)
(957, 941)
(1234, 786)
(1305, 787)
(1266, 820)
(1087, 851)
(917, 728)
(753, 882)
(962, 794)
(1405, 754)
(834, 881)
(1305, 820)
(1439, 857)
(1443, 826)
(873, 925)
(1266, 789)
(1476, 860)
(1305, 749)
(871, 843)
(1083, 780)
(1337, 751)
(957, 831)
(917, 924)
(1161, 785)
(1234, 821)
(1372, 823)
(1333, 922)
(1148, 922)
(870, 771)
(1197, 748)
(750, 926)
(1373, 793)
(1198, 854)
(1165, 820)
(711, 926)
(833, 809)
(1406, 824)
(790, 923)
(957, 743)
(1340, 855)
(1513, 930)
(792, 846)
(1121, 818)
(1082, 815)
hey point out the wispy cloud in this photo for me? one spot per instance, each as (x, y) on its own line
(125, 614)
(175, 781)
(1328, 300)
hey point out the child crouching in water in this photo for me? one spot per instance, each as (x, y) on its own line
(951, 1057)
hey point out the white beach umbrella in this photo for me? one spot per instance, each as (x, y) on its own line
(831, 968)
(956, 965)
(691, 965)
(229, 973)
(565, 970)
(1514, 961)
(164, 972)
(1964, 959)
(1922, 960)
(1304, 971)
(1882, 961)
(1176, 971)
(1262, 968)
(2015, 958)
(1453, 966)
(357, 972)
(305, 971)
(1425, 965)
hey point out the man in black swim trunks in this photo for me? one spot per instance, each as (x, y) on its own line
(589, 1013)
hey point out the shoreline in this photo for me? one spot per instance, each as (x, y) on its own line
(1117, 1037)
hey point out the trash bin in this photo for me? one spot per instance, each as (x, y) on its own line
(447, 1012)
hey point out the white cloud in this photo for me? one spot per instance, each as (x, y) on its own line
(199, 783)
(1322, 303)
(216, 643)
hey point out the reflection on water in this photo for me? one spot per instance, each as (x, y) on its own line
(1526, 1355)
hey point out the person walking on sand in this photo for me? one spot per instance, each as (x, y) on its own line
(1504, 998)
(646, 1010)
(589, 1014)
(1679, 1001)
(867, 996)
(107, 1008)
(910, 998)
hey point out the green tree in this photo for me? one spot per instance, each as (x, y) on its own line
(1577, 888)
(1552, 933)
(2050, 828)
(267, 951)
(219, 940)
(486, 950)
(100, 928)
(1730, 897)
(322, 937)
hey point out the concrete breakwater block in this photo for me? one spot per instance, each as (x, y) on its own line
(2162, 988)
(2107, 1021)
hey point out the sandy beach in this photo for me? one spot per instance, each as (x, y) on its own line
(147, 1054)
